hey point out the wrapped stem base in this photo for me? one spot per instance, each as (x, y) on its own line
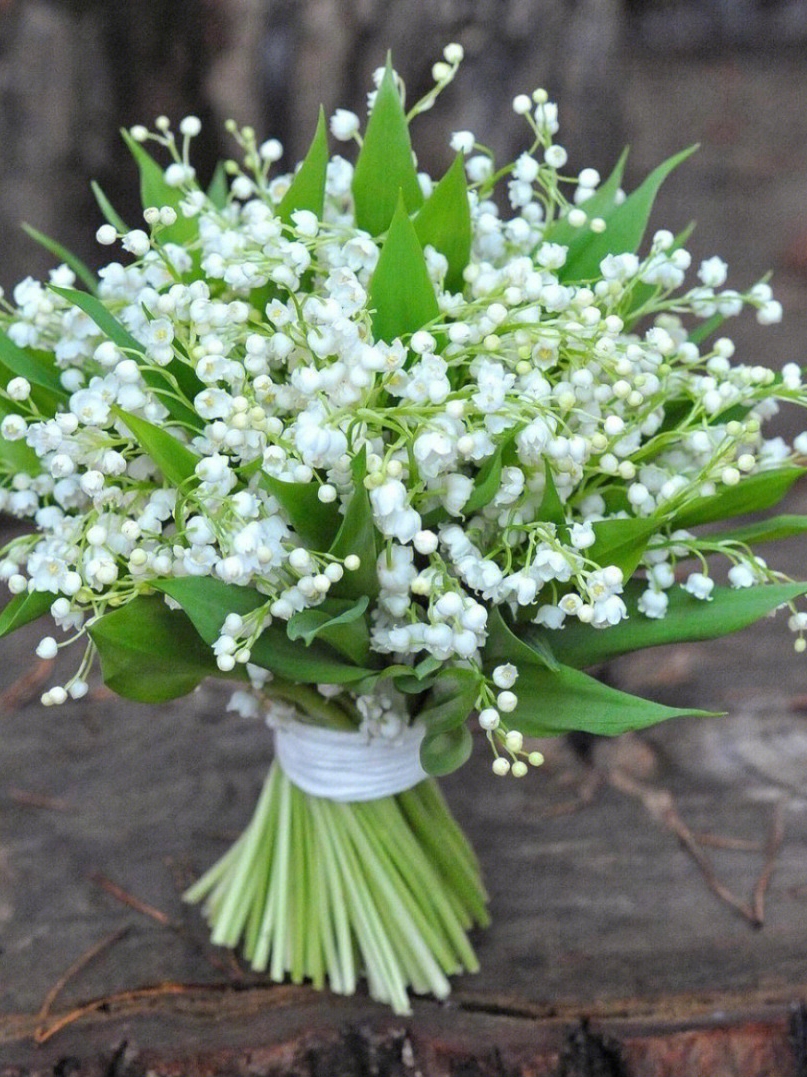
(325, 891)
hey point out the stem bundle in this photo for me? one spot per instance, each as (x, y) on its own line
(319, 890)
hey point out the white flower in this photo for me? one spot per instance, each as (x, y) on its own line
(653, 603)
(463, 141)
(699, 586)
(742, 575)
(136, 242)
(713, 272)
(344, 125)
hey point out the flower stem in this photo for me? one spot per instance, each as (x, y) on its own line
(319, 890)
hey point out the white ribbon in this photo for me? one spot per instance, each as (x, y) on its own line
(347, 766)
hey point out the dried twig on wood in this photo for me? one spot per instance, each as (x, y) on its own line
(126, 898)
(37, 800)
(42, 1030)
(775, 839)
(24, 689)
(661, 805)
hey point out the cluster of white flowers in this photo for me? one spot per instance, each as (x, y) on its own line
(552, 393)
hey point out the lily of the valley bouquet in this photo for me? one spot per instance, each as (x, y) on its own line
(399, 457)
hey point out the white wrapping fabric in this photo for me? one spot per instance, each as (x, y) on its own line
(348, 766)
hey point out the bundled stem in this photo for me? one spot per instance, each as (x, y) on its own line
(319, 890)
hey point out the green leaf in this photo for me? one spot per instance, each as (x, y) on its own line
(307, 189)
(487, 483)
(552, 703)
(107, 209)
(551, 510)
(447, 743)
(385, 169)
(642, 293)
(622, 542)
(37, 367)
(626, 225)
(157, 379)
(17, 455)
(705, 329)
(82, 271)
(687, 619)
(601, 204)
(174, 459)
(443, 753)
(778, 527)
(504, 645)
(154, 191)
(357, 535)
(22, 609)
(444, 221)
(401, 293)
(315, 522)
(149, 652)
(207, 602)
(338, 622)
(753, 493)
(103, 318)
(218, 188)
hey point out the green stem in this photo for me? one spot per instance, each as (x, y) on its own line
(320, 890)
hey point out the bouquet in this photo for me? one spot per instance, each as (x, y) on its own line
(397, 456)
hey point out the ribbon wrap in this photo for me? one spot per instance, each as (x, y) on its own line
(347, 766)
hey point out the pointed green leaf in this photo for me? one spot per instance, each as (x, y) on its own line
(385, 168)
(307, 190)
(107, 209)
(37, 367)
(753, 493)
(174, 459)
(151, 653)
(705, 329)
(401, 293)
(552, 703)
(622, 542)
(444, 221)
(218, 188)
(207, 601)
(601, 204)
(82, 271)
(357, 535)
(24, 608)
(626, 225)
(642, 293)
(778, 527)
(687, 619)
(551, 510)
(338, 622)
(314, 521)
(156, 378)
(447, 743)
(17, 456)
(154, 191)
(504, 645)
(443, 753)
(103, 318)
(487, 483)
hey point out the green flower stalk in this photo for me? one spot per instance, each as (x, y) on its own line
(325, 891)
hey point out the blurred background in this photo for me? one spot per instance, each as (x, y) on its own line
(658, 74)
